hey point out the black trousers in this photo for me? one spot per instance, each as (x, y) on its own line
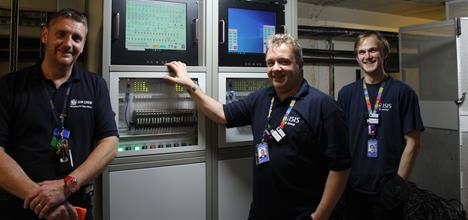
(361, 206)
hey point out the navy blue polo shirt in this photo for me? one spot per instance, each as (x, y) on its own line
(291, 184)
(399, 115)
(27, 121)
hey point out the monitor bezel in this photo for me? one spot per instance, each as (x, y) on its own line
(227, 58)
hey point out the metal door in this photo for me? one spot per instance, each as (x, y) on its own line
(428, 56)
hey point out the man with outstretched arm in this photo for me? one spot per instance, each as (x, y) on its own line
(301, 129)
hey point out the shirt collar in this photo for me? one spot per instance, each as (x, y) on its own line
(74, 77)
(303, 90)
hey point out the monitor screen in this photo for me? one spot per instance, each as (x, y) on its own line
(249, 30)
(155, 25)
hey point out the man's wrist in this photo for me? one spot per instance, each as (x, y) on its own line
(192, 89)
(71, 185)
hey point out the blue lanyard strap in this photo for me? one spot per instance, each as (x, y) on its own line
(59, 120)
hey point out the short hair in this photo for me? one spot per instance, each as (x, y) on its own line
(68, 13)
(383, 43)
(279, 39)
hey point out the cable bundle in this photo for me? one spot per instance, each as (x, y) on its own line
(425, 205)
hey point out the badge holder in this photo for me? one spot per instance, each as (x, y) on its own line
(372, 148)
(278, 134)
(373, 119)
(60, 143)
(372, 144)
(262, 154)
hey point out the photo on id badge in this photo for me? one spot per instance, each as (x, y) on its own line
(262, 153)
(372, 148)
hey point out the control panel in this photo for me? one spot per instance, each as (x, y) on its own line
(153, 115)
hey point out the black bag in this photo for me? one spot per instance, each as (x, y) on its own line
(394, 191)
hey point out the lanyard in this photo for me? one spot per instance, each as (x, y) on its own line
(377, 100)
(285, 117)
(63, 115)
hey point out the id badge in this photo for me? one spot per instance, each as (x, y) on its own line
(372, 148)
(373, 121)
(276, 135)
(262, 153)
(281, 132)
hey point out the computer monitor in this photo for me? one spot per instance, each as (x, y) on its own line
(245, 28)
(153, 32)
(249, 38)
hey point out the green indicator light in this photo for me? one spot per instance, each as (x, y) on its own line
(137, 148)
(120, 149)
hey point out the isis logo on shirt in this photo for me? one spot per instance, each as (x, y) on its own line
(292, 120)
(386, 107)
(74, 103)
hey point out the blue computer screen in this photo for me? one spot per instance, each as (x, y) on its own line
(248, 30)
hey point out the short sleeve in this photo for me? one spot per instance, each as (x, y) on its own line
(239, 113)
(336, 134)
(343, 100)
(411, 114)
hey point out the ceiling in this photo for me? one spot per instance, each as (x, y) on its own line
(428, 9)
